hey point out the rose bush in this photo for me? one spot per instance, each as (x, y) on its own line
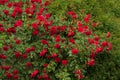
(37, 46)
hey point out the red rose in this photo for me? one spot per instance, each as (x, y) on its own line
(99, 49)
(9, 5)
(39, 77)
(47, 16)
(46, 64)
(3, 1)
(6, 12)
(43, 52)
(91, 62)
(34, 25)
(79, 24)
(80, 76)
(86, 19)
(46, 3)
(54, 55)
(43, 41)
(92, 55)
(109, 46)
(18, 23)
(18, 10)
(57, 38)
(90, 41)
(34, 73)
(74, 51)
(57, 46)
(78, 71)
(13, 15)
(45, 76)
(40, 17)
(48, 56)
(64, 62)
(105, 43)
(11, 30)
(94, 24)
(108, 35)
(72, 41)
(71, 33)
(28, 50)
(80, 29)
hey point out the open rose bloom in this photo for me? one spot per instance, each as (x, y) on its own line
(37, 47)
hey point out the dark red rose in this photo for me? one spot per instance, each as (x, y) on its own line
(8, 75)
(17, 54)
(15, 72)
(15, 76)
(2, 29)
(28, 64)
(35, 32)
(88, 32)
(96, 38)
(57, 60)
(17, 41)
(53, 30)
(3, 56)
(5, 48)
(6, 67)
(24, 56)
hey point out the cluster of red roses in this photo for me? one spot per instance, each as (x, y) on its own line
(58, 38)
